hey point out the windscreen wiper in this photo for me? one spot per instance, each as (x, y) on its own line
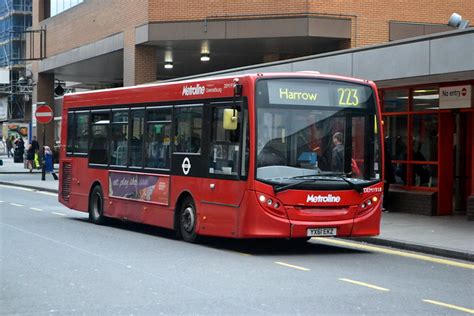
(277, 188)
(354, 186)
(310, 178)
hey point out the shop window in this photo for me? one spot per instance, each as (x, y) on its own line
(425, 137)
(395, 100)
(400, 171)
(396, 137)
(426, 99)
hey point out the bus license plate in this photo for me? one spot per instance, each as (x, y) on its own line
(324, 231)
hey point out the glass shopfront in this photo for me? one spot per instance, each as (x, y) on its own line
(429, 143)
(411, 135)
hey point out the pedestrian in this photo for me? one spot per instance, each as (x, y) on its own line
(19, 150)
(9, 145)
(337, 161)
(48, 160)
(30, 156)
(35, 144)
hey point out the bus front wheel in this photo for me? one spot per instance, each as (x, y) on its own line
(187, 220)
(96, 206)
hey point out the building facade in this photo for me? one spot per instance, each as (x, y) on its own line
(111, 43)
(15, 96)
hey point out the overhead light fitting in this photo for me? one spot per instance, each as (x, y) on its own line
(168, 65)
(205, 57)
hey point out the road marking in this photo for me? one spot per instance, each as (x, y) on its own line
(292, 266)
(396, 252)
(47, 193)
(364, 284)
(462, 309)
(15, 187)
(36, 209)
(14, 204)
(60, 214)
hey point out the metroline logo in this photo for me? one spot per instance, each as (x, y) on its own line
(323, 198)
(190, 90)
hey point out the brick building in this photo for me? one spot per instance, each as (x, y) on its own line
(111, 43)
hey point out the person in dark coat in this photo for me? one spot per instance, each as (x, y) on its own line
(19, 150)
(35, 144)
(30, 156)
(337, 161)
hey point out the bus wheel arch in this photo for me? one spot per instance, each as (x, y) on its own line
(185, 218)
(96, 204)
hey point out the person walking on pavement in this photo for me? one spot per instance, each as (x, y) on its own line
(19, 150)
(9, 144)
(35, 144)
(48, 160)
(30, 156)
(36, 149)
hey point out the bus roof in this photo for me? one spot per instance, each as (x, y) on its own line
(201, 88)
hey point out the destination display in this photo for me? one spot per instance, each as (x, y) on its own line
(317, 93)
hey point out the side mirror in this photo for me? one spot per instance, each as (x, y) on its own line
(230, 119)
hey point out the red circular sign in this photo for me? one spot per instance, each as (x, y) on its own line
(44, 114)
(463, 92)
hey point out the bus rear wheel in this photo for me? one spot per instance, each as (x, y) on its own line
(96, 206)
(187, 220)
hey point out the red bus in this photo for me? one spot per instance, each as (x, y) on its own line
(280, 155)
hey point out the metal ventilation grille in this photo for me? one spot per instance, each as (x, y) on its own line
(66, 180)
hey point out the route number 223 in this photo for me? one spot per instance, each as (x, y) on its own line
(348, 97)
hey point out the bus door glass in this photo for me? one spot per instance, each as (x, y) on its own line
(187, 141)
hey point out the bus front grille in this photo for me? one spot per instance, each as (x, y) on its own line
(66, 181)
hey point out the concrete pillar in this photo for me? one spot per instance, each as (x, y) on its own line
(140, 62)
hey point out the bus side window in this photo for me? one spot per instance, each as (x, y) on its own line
(136, 129)
(158, 134)
(119, 141)
(81, 136)
(188, 122)
(70, 132)
(99, 148)
(225, 145)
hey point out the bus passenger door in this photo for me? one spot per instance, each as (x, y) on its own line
(223, 188)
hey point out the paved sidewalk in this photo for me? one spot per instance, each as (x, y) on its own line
(447, 236)
(16, 174)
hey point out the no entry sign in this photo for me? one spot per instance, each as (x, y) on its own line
(44, 114)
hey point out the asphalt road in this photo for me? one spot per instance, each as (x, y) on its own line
(52, 260)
